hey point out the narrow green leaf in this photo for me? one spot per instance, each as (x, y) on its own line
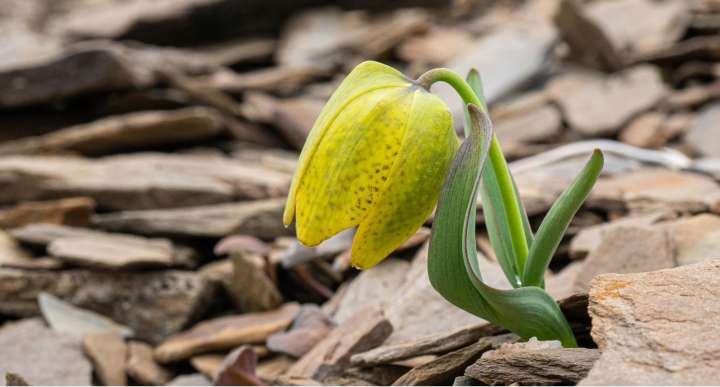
(556, 222)
(452, 259)
(494, 211)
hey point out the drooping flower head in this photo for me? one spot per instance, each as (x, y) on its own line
(375, 158)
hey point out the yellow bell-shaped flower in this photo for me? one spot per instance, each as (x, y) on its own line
(376, 158)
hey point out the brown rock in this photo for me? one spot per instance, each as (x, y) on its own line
(627, 250)
(283, 80)
(691, 97)
(77, 71)
(533, 364)
(439, 46)
(703, 136)
(270, 369)
(422, 311)
(443, 370)
(507, 57)
(85, 247)
(695, 239)
(225, 333)
(438, 343)
(241, 244)
(141, 365)
(590, 239)
(251, 287)
(541, 184)
(207, 364)
(655, 328)
(658, 189)
(533, 126)
(71, 212)
(644, 131)
(113, 252)
(139, 180)
(611, 34)
(42, 356)
(289, 380)
(293, 116)
(311, 325)
(261, 218)
(594, 105)
(108, 353)
(153, 304)
(238, 369)
(323, 36)
(372, 288)
(12, 254)
(365, 330)
(13, 379)
(123, 132)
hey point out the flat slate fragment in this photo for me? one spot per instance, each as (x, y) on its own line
(41, 356)
(261, 218)
(364, 330)
(139, 180)
(533, 366)
(658, 327)
(442, 370)
(123, 132)
(153, 304)
(225, 333)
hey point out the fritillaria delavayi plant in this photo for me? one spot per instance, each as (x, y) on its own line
(383, 153)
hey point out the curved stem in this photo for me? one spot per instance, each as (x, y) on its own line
(497, 159)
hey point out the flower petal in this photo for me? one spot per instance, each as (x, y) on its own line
(365, 77)
(352, 164)
(414, 185)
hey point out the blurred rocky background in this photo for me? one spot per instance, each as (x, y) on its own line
(147, 147)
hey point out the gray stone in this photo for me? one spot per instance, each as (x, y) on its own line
(41, 356)
(657, 327)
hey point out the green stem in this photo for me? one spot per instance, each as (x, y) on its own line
(497, 159)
